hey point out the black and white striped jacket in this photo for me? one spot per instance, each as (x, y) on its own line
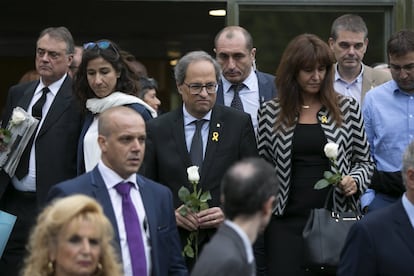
(354, 157)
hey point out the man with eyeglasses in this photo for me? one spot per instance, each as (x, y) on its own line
(388, 112)
(50, 156)
(349, 42)
(202, 133)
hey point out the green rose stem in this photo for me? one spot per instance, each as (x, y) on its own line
(194, 202)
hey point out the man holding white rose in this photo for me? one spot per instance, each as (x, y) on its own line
(50, 155)
(227, 136)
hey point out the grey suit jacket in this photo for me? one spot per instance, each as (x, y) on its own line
(225, 254)
(157, 201)
(58, 136)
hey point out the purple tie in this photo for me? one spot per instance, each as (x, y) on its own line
(133, 230)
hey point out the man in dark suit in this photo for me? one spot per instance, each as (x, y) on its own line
(121, 139)
(227, 136)
(51, 157)
(382, 243)
(236, 55)
(248, 194)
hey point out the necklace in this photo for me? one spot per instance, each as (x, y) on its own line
(306, 106)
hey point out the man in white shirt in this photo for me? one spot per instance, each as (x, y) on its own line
(349, 42)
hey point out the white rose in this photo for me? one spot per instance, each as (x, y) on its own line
(192, 173)
(331, 150)
(17, 117)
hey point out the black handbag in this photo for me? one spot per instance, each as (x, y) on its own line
(325, 233)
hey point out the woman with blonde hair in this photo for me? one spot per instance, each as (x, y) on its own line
(72, 236)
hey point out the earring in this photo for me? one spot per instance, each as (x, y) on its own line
(98, 270)
(50, 267)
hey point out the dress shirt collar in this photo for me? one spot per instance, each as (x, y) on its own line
(53, 87)
(250, 82)
(111, 178)
(246, 242)
(188, 118)
(409, 208)
(358, 79)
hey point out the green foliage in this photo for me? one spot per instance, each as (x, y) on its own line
(195, 202)
(329, 178)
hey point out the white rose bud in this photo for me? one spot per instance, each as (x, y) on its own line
(192, 173)
(331, 150)
(17, 117)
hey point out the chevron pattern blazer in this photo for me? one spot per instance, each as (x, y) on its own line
(354, 157)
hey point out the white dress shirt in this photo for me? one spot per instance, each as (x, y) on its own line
(249, 96)
(111, 179)
(28, 183)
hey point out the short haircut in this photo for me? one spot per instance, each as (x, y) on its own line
(349, 22)
(401, 43)
(180, 70)
(60, 33)
(246, 186)
(230, 31)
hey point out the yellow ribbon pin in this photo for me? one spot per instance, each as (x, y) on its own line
(215, 136)
(324, 120)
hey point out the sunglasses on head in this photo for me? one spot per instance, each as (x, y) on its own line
(100, 45)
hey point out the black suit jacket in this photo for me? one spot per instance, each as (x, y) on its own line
(57, 140)
(167, 159)
(225, 254)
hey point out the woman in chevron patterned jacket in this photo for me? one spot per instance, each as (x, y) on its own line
(293, 130)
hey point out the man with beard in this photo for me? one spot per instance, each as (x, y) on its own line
(241, 86)
(388, 111)
(349, 42)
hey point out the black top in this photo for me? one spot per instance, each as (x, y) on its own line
(308, 165)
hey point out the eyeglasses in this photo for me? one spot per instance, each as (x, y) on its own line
(408, 68)
(100, 45)
(196, 88)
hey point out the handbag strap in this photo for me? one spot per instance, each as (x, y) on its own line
(350, 200)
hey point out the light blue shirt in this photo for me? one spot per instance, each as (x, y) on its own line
(389, 123)
(249, 96)
(351, 89)
(190, 127)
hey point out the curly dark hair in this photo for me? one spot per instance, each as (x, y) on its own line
(111, 53)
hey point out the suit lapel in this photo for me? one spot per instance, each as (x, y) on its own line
(403, 226)
(220, 94)
(101, 194)
(179, 137)
(367, 81)
(148, 200)
(213, 139)
(264, 91)
(28, 95)
(59, 105)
